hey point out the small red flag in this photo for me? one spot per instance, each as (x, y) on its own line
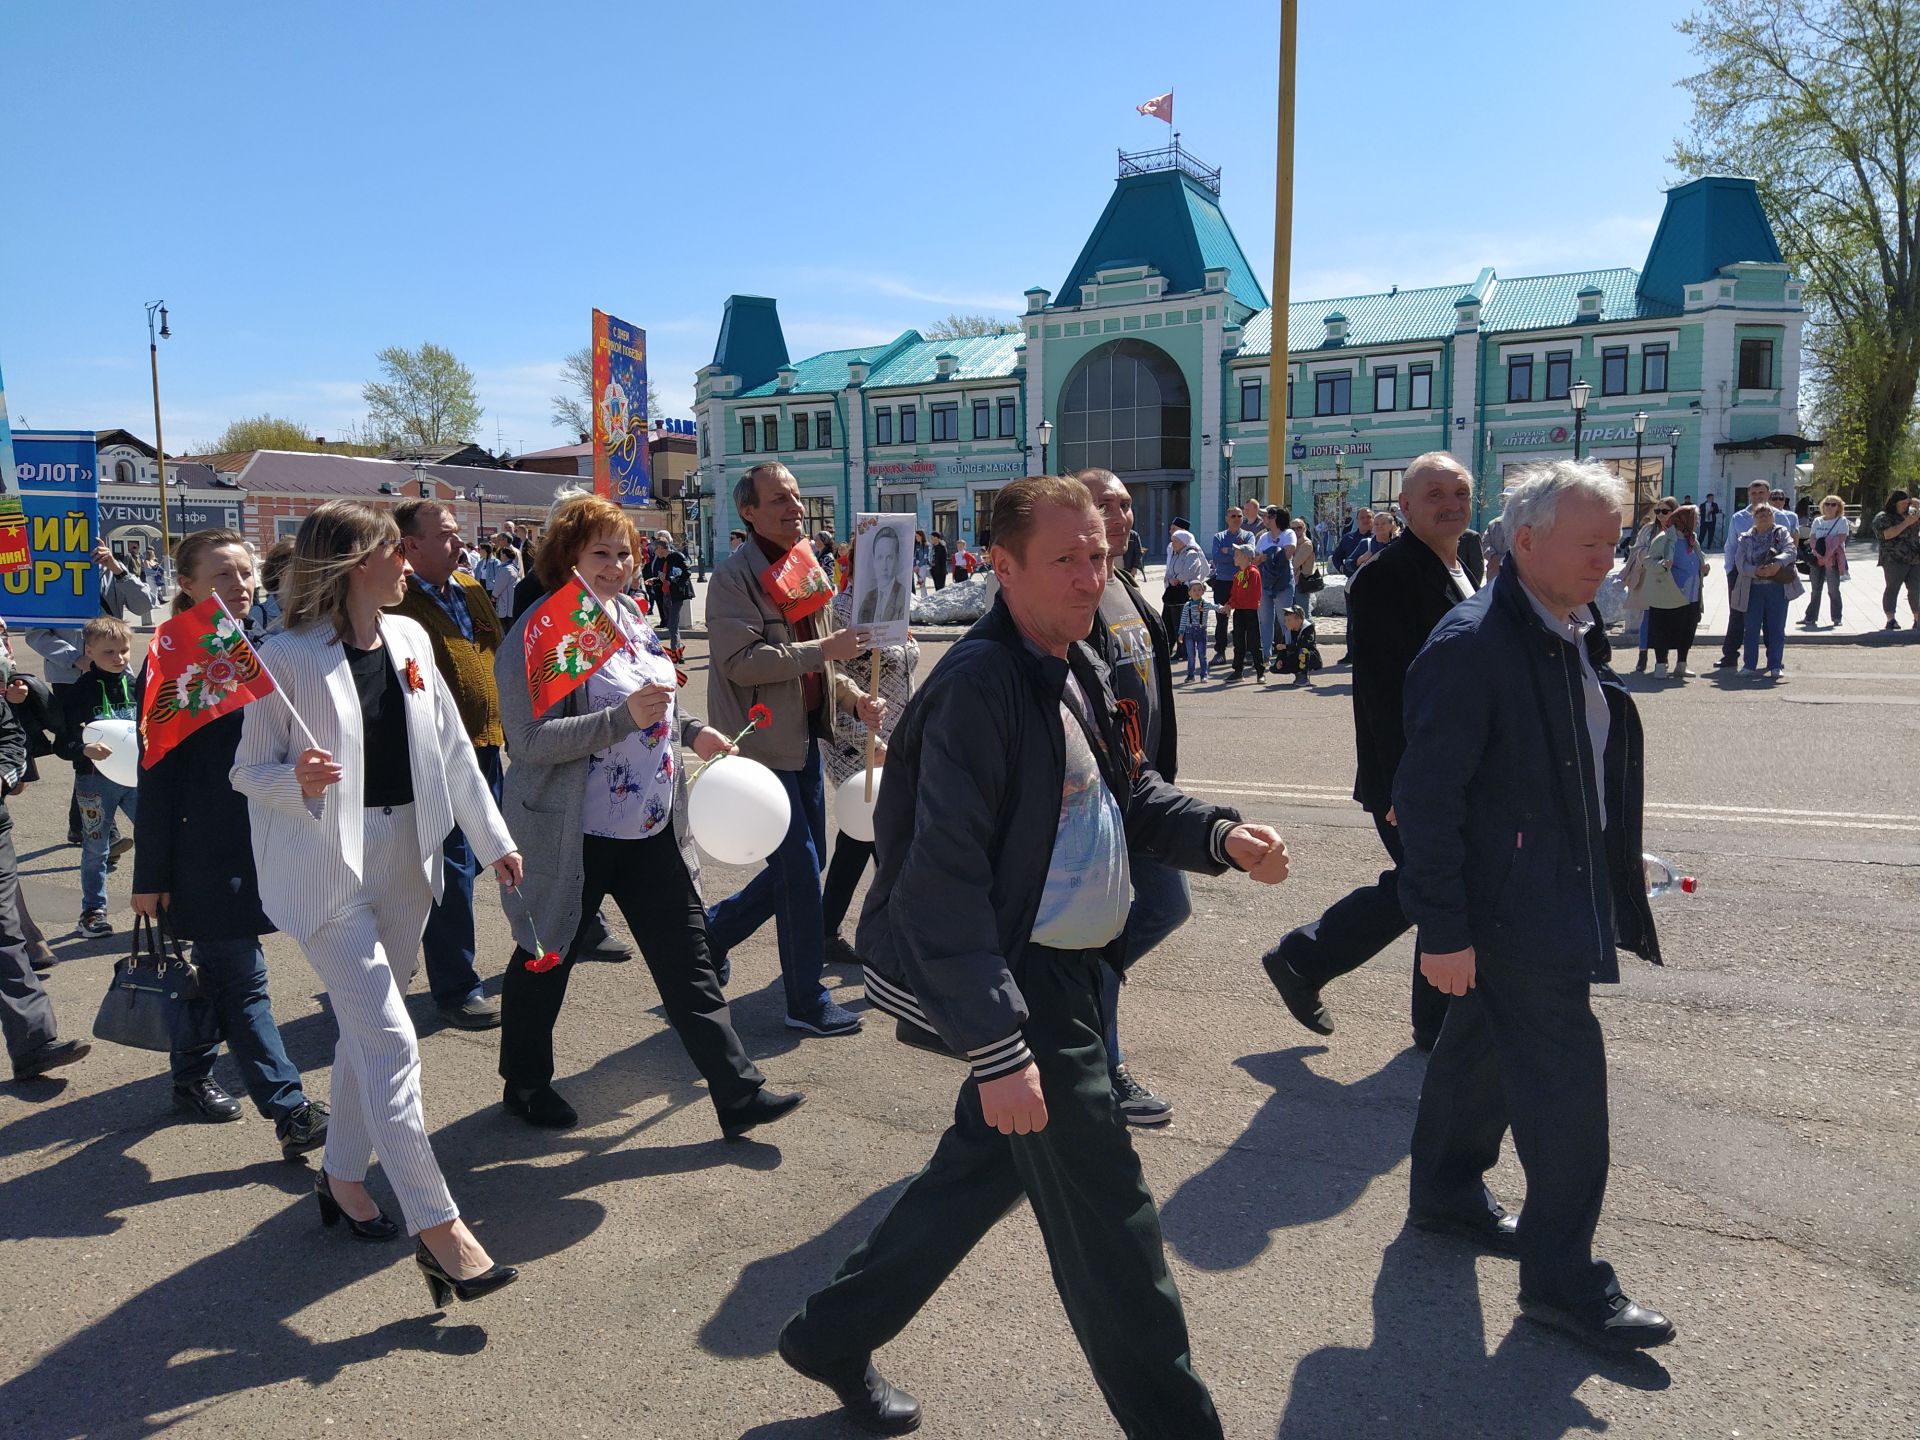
(199, 668)
(1160, 107)
(568, 637)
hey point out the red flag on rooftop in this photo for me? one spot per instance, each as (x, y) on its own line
(199, 667)
(568, 637)
(1159, 108)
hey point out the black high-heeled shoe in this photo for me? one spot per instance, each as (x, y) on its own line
(331, 1214)
(442, 1286)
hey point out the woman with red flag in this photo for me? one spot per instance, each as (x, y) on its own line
(598, 794)
(352, 783)
(193, 866)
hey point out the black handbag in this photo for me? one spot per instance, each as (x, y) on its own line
(155, 1002)
(1313, 582)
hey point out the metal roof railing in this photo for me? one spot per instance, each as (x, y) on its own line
(1171, 157)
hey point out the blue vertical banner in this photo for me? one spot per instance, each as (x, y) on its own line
(620, 411)
(56, 477)
(16, 553)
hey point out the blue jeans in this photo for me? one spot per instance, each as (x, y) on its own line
(99, 799)
(1196, 643)
(1272, 603)
(670, 611)
(787, 892)
(1766, 612)
(448, 944)
(1161, 905)
(233, 982)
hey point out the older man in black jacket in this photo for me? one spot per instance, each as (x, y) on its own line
(1519, 801)
(1392, 606)
(990, 926)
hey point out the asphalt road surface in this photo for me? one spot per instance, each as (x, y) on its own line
(168, 1275)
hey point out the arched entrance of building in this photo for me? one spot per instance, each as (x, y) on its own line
(1126, 408)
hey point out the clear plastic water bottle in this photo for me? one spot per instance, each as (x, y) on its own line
(1663, 879)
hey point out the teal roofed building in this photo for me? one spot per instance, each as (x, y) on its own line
(1152, 361)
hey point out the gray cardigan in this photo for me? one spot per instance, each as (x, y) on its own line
(545, 793)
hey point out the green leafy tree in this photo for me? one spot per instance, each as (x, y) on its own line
(262, 432)
(967, 327)
(1819, 101)
(573, 406)
(425, 397)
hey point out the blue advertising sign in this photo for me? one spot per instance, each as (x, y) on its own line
(620, 411)
(59, 486)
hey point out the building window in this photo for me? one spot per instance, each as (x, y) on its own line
(800, 432)
(1008, 428)
(819, 510)
(1420, 387)
(883, 427)
(1126, 408)
(1386, 381)
(749, 435)
(909, 425)
(123, 472)
(823, 429)
(703, 439)
(1250, 400)
(983, 518)
(945, 421)
(900, 502)
(1289, 397)
(982, 420)
(1653, 368)
(1756, 364)
(1333, 394)
(286, 527)
(1519, 379)
(1385, 487)
(946, 520)
(769, 432)
(1559, 374)
(1613, 370)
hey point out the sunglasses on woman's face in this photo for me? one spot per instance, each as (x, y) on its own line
(1664, 510)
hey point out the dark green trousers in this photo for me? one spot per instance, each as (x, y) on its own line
(1083, 1179)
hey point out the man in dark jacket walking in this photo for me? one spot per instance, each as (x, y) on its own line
(1392, 606)
(991, 928)
(26, 1014)
(1520, 812)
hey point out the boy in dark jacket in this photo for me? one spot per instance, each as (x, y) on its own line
(1298, 653)
(103, 692)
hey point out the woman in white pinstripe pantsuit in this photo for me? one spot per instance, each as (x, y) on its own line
(347, 832)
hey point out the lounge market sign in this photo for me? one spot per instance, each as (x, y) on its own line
(1590, 435)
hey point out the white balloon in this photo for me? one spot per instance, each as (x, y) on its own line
(738, 811)
(123, 765)
(852, 811)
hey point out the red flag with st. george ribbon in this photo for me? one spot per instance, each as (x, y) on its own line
(199, 667)
(568, 637)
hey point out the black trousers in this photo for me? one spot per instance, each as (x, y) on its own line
(1173, 603)
(1221, 590)
(1096, 1216)
(648, 880)
(1522, 1049)
(1246, 643)
(1358, 927)
(849, 863)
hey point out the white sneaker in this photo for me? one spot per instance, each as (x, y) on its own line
(1660, 671)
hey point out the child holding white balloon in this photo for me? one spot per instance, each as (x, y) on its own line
(103, 692)
(846, 757)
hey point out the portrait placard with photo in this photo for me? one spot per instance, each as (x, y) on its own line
(883, 576)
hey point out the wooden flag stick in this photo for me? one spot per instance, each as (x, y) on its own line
(312, 744)
(877, 656)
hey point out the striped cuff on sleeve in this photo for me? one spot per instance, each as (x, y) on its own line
(1003, 1057)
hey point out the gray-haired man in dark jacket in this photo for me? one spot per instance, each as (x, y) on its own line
(1002, 887)
(1519, 805)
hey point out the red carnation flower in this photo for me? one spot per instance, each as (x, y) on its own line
(548, 960)
(761, 717)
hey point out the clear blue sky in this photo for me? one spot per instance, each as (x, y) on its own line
(306, 184)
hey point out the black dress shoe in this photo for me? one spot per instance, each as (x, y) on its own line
(50, 1056)
(476, 1012)
(608, 950)
(443, 1287)
(331, 1213)
(1615, 1324)
(542, 1106)
(303, 1130)
(207, 1100)
(1301, 997)
(763, 1109)
(871, 1403)
(1494, 1231)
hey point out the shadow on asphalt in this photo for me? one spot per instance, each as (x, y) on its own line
(770, 1289)
(1427, 1371)
(830, 1426)
(1308, 1154)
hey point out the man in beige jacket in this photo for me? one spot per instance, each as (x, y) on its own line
(758, 658)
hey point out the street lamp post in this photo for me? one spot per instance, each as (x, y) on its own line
(159, 445)
(1226, 478)
(1639, 434)
(694, 531)
(422, 483)
(1578, 393)
(1046, 439)
(479, 493)
(1673, 453)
